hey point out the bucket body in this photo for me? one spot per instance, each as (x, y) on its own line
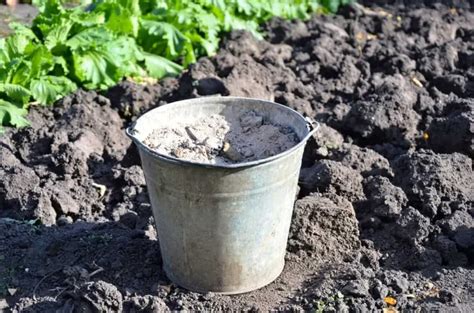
(221, 228)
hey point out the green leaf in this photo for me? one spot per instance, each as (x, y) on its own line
(12, 115)
(60, 66)
(19, 72)
(244, 7)
(17, 93)
(122, 21)
(48, 89)
(4, 57)
(131, 5)
(209, 46)
(234, 22)
(91, 37)
(124, 54)
(87, 19)
(164, 38)
(190, 57)
(220, 4)
(18, 44)
(23, 30)
(62, 85)
(48, 7)
(41, 62)
(159, 67)
(43, 91)
(95, 68)
(59, 34)
(333, 5)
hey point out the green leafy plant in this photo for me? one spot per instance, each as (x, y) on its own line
(96, 44)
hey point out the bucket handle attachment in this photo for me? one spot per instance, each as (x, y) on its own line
(131, 131)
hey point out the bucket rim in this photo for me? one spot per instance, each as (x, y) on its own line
(311, 125)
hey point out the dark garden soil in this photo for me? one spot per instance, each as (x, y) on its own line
(22, 13)
(387, 186)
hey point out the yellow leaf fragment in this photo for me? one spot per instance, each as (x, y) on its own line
(390, 300)
(426, 136)
(142, 80)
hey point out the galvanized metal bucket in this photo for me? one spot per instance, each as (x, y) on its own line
(221, 228)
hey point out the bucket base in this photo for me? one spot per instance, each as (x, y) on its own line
(237, 290)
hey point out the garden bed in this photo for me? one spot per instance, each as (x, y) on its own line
(385, 207)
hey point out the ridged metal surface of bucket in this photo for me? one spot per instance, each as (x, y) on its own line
(221, 228)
